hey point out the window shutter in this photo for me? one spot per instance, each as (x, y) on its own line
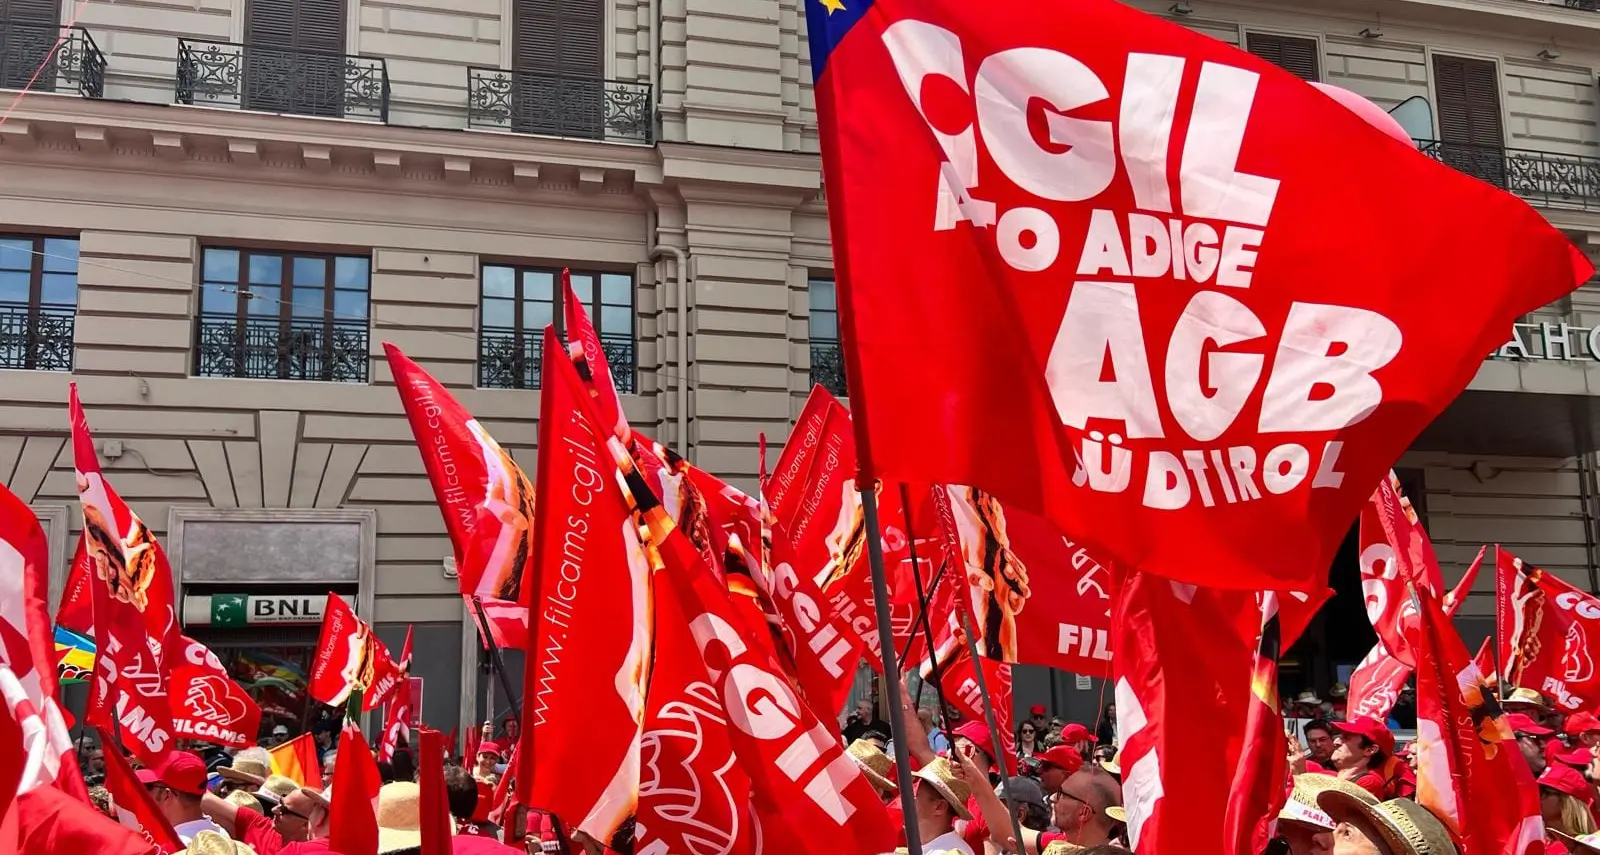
(558, 37)
(28, 31)
(1469, 101)
(1295, 55)
(270, 23)
(31, 11)
(310, 25)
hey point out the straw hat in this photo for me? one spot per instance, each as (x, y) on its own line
(1524, 696)
(874, 764)
(1061, 847)
(1302, 804)
(1118, 813)
(246, 800)
(1114, 765)
(942, 777)
(399, 817)
(275, 789)
(1406, 828)
(212, 843)
(250, 766)
(1579, 845)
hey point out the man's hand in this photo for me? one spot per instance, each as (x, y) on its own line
(916, 738)
(1297, 756)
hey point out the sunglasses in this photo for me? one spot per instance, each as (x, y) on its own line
(280, 810)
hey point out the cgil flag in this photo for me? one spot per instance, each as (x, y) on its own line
(1136, 243)
(1549, 635)
(350, 659)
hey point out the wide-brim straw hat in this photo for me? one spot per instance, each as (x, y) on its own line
(1302, 804)
(212, 843)
(1406, 828)
(246, 771)
(875, 765)
(246, 800)
(1524, 696)
(942, 778)
(1114, 765)
(1578, 845)
(275, 789)
(1061, 847)
(1118, 813)
(399, 817)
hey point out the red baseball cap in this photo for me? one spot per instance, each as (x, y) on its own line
(1036, 709)
(1565, 779)
(1581, 723)
(491, 748)
(1577, 756)
(1063, 756)
(1373, 730)
(182, 773)
(978, 732)
(1075, 732)
(1522, 723)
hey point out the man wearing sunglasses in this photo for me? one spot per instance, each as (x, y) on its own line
(176, 787)
(298, 824)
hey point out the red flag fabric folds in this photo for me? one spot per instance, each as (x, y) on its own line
(135, 624)
(351, 658)
(208, 704)
(398, 710)
(354, 806)
(132, 803)
(1151, 324)
(588, 597)
(1549, 635)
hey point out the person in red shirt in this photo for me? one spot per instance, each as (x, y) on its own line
(1566, 801)
(1362, 747)
(1054, 767)
(299, 824)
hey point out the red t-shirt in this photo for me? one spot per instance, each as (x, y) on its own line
(1373, 783)
(473, 844)
(257, 832)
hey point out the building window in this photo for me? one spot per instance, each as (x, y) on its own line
(38, 301)
(1471, 132)
(519, 302)
(294, 57)
(827, 359)
(558, 65)
(284, 316)
(1298, 56)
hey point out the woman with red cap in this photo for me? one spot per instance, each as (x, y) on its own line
(1567, 803)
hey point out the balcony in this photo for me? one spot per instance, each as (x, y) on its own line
(1543, 178)
(529, 102)
(507, 360)
(51, 58)
(827, 365)
(37, 338)
(282, 80)
(272, 349)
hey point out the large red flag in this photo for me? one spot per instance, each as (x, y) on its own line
(207, 704)
(1132, 249)
(589, 358)
(824, 648)
(76, 611)
(354, 809)
(486, 499)
(398, 710)
(35, 749)
(1469, 770)
(135, 624)
(1396, 555)
(132, 803)
(589, 598)
(1549, 635)
(1376, 683)
(351, 658)
(1261, 774)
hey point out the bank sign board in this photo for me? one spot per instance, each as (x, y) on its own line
(241, 610)
(1559, 342)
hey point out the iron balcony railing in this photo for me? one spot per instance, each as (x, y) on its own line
(283, 80)
(270, 348)
(37, 338)
(51, 59)
(827, 365)
(530, 102)
(509, 360)
(1541, 177)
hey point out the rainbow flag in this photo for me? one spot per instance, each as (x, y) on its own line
(297, 761)
(74, 656)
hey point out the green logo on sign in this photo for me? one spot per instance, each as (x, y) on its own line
(229, 610)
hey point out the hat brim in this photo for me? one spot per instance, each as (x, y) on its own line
(1343, 807)
(239, 777)
(397, 839)
(317, 796)
(1112, 766)
(1574, 845)
(944, 790)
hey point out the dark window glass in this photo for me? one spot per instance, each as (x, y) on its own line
(517, 303)
(283, 316)
(827, 359)
(38, 301)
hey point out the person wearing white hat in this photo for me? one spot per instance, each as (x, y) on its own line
(941, 799)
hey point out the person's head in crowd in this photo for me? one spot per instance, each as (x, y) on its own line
(280, 735)
(405, 765)
(1307, 705)
(243, 799)
(1081, 803)
(274, 790)
(1583, 729)
(1526, 701)
(974, 740)
(877, 737)
(1037, 717)
(1077, 736)
(302, 815)
(324, 740)
(399, 817)
(925, 716)
(863, 710)
(215, 843)
(461, 791)
(1338, 698)
(329, 758)
(1577, 757)
(1028, 736)
(248, 770)
(1360, 744)
(1056, 764)
(386, 771)
(1566, 801)
(176, 786)
(1033, 811)
(1395, 827)
(941, 798)
(1303, 827)
(1319, 741)
(513, 729)
(876, 766)
(1531, 738)
(100, 797)
(489, 756)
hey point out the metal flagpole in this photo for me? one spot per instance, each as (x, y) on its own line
(923, 599)
(898, 705)
(1500, 680)
(994, 725)
(495, 662)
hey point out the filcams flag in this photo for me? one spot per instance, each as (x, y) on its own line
(207, 704)
(135, 624)
(1549, 633)
(1182, 300)
(351, 659)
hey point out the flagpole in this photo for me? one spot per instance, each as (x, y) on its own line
(923, 599)
(994, 724)
(497, 664)
(898, 705)
(1500, 680)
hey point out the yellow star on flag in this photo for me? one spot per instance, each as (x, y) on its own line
(832, 5)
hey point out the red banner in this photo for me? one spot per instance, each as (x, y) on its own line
(1396, 554)
(132, 804)
(486, 499)
(587, 666)
(35, 750)
(824, 648)
(1147, 321)
(135, 625)
(589, 357)
(1549, 635)
(1470, 772)
(959, 682)
(350, 658)
(353, 815)
(398, 713)
(209, 705)
(76, 611)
